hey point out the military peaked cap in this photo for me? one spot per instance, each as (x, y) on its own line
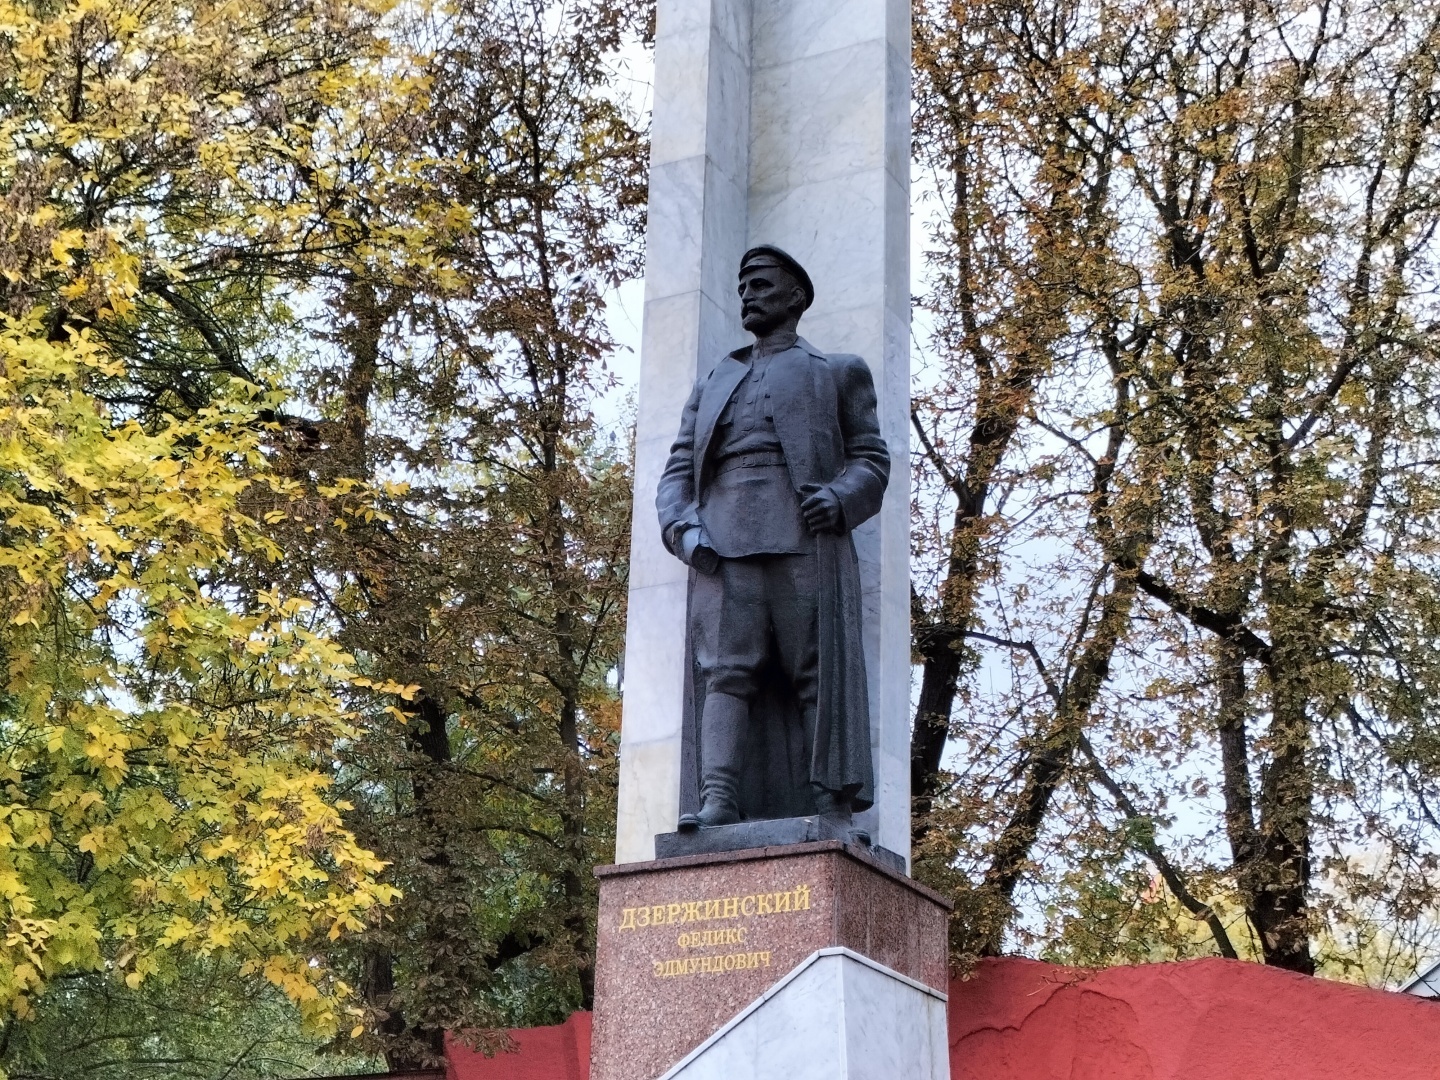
(770, 255)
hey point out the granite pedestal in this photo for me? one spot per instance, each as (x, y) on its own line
(685, 945)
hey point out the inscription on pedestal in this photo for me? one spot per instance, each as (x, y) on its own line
(754, 936)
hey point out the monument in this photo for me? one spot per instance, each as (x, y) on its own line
(759, 920)
(784, 122)
(778, 458)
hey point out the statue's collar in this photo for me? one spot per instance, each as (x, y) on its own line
(743, 353)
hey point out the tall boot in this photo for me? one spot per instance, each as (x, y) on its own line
(722, 741)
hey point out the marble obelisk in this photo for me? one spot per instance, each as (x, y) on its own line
(783, 122)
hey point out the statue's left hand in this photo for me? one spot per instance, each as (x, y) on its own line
(821, 509)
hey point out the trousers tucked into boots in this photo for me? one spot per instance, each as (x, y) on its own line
(737, 613)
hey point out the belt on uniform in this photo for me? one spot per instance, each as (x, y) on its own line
(749, 461)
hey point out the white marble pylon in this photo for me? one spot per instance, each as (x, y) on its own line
(837, 1016)
(783, 122)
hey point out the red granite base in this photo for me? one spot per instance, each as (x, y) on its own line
(685, 944)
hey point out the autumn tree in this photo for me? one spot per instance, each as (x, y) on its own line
(166, 731)
(347, 265)
(459, 350)
(1186, 248)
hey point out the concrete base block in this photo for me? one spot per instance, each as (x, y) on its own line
(838, 1016)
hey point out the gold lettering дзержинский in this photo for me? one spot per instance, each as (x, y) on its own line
(730, 907)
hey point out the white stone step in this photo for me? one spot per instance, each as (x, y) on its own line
(836, 1016)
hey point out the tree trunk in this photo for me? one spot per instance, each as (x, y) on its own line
(1046, 766)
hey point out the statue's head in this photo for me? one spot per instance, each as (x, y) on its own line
(774, 290)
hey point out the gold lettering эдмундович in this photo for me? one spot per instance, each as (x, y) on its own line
(711, 965)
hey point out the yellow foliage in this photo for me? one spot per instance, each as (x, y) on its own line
(164, 744)
(164, 734)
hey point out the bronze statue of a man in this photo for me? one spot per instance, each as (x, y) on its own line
(779, 457)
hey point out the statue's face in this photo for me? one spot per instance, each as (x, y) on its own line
(769, 298)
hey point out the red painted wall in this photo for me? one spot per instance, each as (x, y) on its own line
(1198, 1020)
(544, 1053)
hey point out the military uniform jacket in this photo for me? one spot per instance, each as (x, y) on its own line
(825, 416)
